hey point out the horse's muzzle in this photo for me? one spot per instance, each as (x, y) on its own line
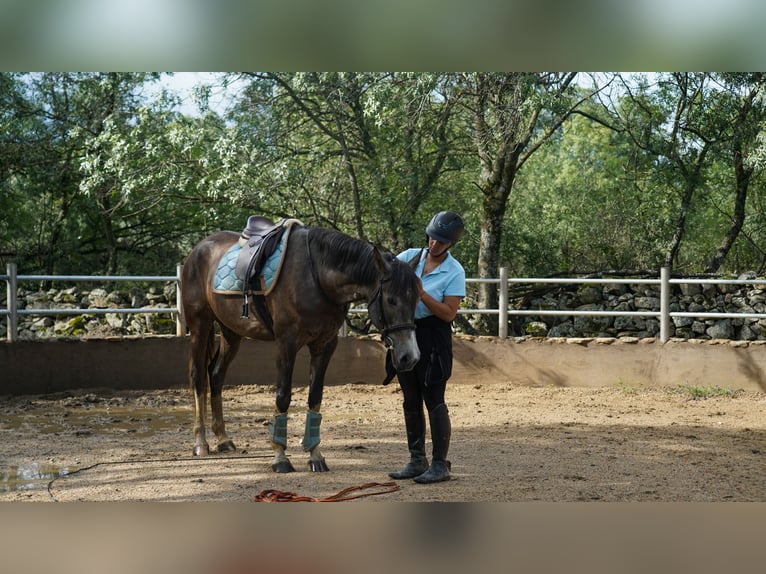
(406, 356)
(408, 364)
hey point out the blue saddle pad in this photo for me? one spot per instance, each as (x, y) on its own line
(225, 280)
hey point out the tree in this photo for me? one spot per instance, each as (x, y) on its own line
(579, 205)
(103, 178)
(688, 122)
(168, 179)
(13, 126)
(53, 116)
(362, 152)
(513, 115)
(744, 112)
(45, 177)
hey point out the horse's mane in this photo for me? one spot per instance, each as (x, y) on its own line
(355, 257)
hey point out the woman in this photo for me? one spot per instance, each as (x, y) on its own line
(442, 287)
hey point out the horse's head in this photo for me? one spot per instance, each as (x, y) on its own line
(392, 308)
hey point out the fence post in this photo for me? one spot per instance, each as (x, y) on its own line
(180, 323)
(13, 318)
(502, 318)
(664, 304)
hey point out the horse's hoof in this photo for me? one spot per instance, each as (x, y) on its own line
(318, 466)
(282, 467)
(227, 446)
(201, 450)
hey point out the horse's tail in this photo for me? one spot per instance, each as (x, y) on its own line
(181, 313)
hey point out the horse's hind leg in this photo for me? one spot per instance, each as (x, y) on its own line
(201, 349)
(320, 359)
(227, 350)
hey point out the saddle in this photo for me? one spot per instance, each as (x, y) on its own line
(258, 240)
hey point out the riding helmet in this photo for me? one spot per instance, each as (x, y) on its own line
(446, 226)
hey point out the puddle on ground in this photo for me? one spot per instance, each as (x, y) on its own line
(85, 417)
(54, 419)
(29, 477)
(143, 422)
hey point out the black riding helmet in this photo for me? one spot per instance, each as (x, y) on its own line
(446, 226)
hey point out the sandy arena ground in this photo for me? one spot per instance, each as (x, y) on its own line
(510, 443)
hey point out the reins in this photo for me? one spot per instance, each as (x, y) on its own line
(272, 495)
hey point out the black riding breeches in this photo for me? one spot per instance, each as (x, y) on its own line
(416, 393)
(427, 382)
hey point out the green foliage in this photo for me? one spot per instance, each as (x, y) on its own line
(361, 152)
(700, 392)
(574, 207)
(97, 176)
(655, 173)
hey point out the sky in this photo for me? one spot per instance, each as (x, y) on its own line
(183, 84)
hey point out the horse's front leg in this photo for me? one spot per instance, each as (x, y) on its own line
(286, 352)
(320, 359)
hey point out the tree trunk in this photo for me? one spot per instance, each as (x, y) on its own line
(691, 179)
(65, 184)
(742, 177)
(110, 265)
(742, 174)
(505, 120)
(671, 254)
(490, 240)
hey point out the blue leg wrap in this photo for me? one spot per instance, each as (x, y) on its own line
(278, 430)
(311, 435)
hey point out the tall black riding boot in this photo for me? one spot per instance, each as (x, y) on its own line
(441, 431)
(415, 422)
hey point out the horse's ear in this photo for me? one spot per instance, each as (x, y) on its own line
(413, 263)
(382, 262)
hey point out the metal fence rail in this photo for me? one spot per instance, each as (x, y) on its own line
(503, 312)
(13, 312)
(665, 315)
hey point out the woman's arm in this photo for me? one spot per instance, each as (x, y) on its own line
(446, 310)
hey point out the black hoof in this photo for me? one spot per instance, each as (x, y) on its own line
(318, 466)
(227, 446)
(201, 450)
(283, 467)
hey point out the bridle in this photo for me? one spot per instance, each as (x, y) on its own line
(385, 328)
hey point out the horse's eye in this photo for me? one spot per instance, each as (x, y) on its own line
(391, 301)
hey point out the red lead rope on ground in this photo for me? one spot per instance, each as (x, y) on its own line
(272, 495)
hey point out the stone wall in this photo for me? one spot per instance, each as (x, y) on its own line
(693, 298)
(750, 298)
(93, 326)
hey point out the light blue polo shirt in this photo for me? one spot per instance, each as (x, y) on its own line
(447, 280)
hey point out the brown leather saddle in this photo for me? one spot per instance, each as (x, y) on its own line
(259, 239)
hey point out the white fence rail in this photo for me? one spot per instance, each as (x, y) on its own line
(13, 312)
(503, 312)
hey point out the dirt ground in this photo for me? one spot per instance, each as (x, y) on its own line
(510, 443)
